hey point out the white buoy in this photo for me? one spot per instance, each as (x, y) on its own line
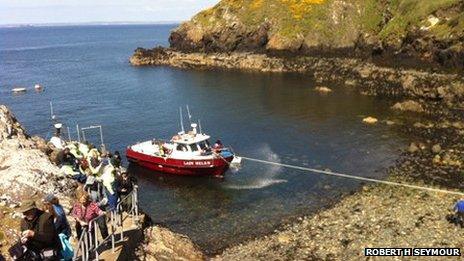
(38, 87)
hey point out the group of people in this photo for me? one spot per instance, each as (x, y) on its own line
(45, 232)
(103, 183)
(99, 173)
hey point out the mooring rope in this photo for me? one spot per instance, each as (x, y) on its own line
(330, 173)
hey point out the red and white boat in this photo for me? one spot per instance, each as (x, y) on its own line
(188, 154)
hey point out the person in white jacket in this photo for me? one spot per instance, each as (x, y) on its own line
(106, 174)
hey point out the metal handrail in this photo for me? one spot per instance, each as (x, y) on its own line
(133, 212)
(89, 242)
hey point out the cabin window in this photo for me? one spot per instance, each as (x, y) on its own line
(204, 145)
(193, 147)
(181, 147)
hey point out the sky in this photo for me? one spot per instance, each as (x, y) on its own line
(87, 11)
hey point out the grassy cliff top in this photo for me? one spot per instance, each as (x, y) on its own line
(335, 20)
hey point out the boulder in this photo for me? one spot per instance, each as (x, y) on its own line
(162, 244)
(323, 89)
(413, 148)
(436, 148)
(370, 120)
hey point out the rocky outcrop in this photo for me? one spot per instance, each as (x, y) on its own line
(161, 244)
(26, 173)
(431, 31)
(23, 166)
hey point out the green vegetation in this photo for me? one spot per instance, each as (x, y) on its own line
(407, 13)
(335, 20)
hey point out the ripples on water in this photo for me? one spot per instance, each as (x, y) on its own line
(275, 117)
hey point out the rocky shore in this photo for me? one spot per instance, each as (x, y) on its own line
(26, 172)
(399, 32)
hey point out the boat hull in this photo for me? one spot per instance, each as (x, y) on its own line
(209, 167)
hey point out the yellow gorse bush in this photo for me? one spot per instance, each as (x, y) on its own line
(300, 7)
(257, 4)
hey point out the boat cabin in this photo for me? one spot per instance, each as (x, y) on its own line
(182, 146)
(190, 143)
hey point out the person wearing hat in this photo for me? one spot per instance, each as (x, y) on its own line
(124, 186)
(56, 140)
(65, 157)
(53, 206)
(116, 160)
(217, 147)
(38, 231)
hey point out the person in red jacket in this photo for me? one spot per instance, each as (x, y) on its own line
(85, 211)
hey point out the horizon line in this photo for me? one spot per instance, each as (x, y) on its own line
(92, 23)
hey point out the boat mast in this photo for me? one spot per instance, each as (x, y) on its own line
(189, 115)
(199, 126)
(181, 120)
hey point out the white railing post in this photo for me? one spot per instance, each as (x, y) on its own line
(96, 229)
(86, 247)
(113, 219)
(137, 204)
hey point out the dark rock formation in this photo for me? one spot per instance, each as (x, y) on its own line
(431, 32)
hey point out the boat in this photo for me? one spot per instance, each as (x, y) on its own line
(18, 90)
(187, 154)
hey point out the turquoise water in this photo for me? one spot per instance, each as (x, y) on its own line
(277, 117)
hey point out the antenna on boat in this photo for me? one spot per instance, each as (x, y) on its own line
(199, 126)
(181, 120)
(190, 116)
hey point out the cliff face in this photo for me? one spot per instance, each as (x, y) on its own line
(26, 172)
(432, 30)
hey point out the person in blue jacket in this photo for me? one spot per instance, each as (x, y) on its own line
(53, 206)
(459, 211)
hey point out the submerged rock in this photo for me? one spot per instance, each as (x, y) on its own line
(409, 105)
(370, 120)
(436, 148)
(413, 148)
(323, 89)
